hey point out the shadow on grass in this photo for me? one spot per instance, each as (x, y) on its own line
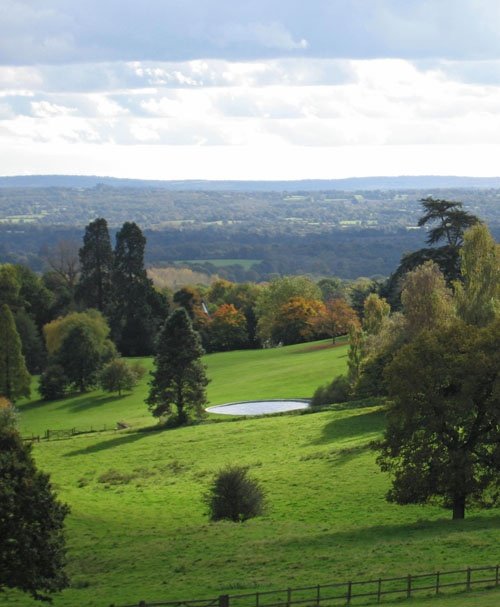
(85, 402)
(352, 426)
(399, 533)
(119, 441)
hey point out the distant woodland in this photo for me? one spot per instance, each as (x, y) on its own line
(343, 233)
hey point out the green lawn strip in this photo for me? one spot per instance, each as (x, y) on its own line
(289, 372)
(138, 527)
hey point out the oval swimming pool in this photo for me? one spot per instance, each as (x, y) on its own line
(260, 407)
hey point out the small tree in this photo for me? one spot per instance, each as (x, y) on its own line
(179, 378)
(335, 318)
(80, 358)
(14, 377)
(235, 496)
(118, 375)
(53, 383)
(32, 546)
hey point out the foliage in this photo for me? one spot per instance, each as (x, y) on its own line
(14, 376)
(9, 286)
(235, 496)
(80, 357)
(227, 329)
(32, 346)
(295, 321)
(355, 355)
(335, 318)
(452, 221)
(53, 382)
(375, 309)
(32, 549)
(96, 260)
(427, 302)
(179, 378)
(278, 293)
(478, 295)
(443, 434)
(56, 331)
(118, 375)
(337, 391)
(138, 308)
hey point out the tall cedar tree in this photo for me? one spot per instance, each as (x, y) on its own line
(450, 222)
(96, 261)
(179, 378)
(14, 377)
(138, 308)
(32, 546)
(443, 434)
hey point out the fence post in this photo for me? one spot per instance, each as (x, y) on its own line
(142, 604)
(468, 578)
(288, 597)
(379, 589)
(496, 575)
(318, 591)
(224, 600)
(408, 587)
(349, 592)
(437, 582)
(256, 599)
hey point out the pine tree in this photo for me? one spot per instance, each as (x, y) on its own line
(96, 260)
(14, 377)
(179, 378)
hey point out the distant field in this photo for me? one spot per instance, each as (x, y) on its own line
(222, 263)
(138, 527)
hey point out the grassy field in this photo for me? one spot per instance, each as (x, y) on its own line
(138, 528)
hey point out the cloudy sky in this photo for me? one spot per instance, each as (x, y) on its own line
(254, 89)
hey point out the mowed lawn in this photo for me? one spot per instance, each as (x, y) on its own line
(138, 527)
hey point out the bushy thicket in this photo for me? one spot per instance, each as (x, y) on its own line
(235, 496)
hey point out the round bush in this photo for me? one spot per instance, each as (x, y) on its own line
(235, 496)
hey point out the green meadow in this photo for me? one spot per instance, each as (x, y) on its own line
(138, 528)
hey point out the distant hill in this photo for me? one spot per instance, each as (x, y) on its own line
(404, 182)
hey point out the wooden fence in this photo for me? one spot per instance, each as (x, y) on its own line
(69, 432)
(347, 593)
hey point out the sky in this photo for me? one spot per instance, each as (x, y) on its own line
(260, 89)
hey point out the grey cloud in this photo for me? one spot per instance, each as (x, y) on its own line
(56, 32)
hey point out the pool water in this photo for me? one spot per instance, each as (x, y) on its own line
(260, 407)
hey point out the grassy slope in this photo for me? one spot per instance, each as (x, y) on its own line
(291, 372)
(147, 537)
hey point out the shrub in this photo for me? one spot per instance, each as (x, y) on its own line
(235, 496)
(53, 383)
(338, 391)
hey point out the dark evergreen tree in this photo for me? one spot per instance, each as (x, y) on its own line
(80, 358)
(14, 376)
(32, 345)
(32, 545)
(179, 378)
(451, 222)
(96, 262)
(138, 309)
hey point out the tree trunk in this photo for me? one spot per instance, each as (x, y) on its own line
(458, 507)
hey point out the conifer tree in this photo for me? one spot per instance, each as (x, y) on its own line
(96, 260)
(179, 378)
(32, 545)
(14, 377)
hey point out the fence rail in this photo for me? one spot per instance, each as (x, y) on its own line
(69, 432)
(345, 593)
